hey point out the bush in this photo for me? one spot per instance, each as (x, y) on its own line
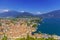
(0, 24)
(35, 25)
(4, 38)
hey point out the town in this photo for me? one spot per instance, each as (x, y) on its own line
(15, 28)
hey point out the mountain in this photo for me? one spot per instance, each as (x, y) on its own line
(26, 14)
(52, 14)
(15, 14)
(10, 13)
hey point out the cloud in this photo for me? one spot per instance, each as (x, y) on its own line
(22, 11)
(3, 10)
(38, 13)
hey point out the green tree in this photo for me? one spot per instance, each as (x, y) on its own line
(35, 25)
(4, 38)
(0, 24)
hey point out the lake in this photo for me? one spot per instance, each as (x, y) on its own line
(50, 26)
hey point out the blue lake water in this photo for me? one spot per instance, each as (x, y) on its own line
(50, 26)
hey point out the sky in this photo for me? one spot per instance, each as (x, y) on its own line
(42, 6)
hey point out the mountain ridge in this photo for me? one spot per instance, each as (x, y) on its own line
(52, 14)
